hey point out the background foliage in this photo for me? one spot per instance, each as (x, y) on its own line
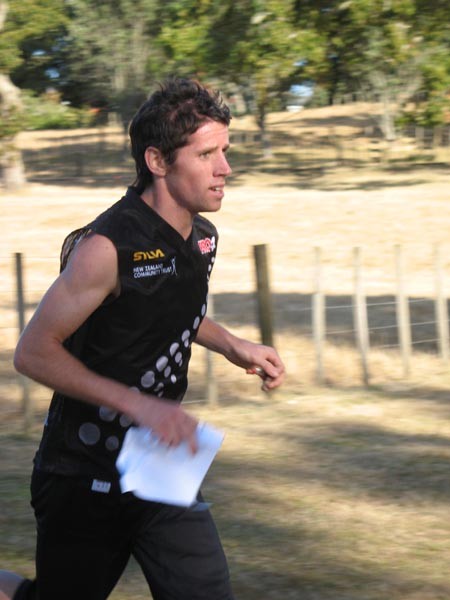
(109, 54)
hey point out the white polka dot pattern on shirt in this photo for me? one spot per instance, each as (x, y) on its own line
(125, 420)
(148, 379)
(107, 414)
(161, 363)
(89, 434)
(168, 363)
(112, 443)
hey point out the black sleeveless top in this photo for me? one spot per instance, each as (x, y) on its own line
(141, 338)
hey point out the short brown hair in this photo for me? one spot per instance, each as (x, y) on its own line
(166, 120)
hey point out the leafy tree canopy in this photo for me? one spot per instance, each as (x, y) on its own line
(254, 44)
(110, 52)
(30, 26)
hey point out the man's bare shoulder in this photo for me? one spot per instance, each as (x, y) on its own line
(93, 261)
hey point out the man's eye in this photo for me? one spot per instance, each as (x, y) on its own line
(205, 154)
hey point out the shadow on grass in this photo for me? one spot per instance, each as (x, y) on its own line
(283, 547)
(291, 563)
(88, 160)
(362, 459)
(280, 543)
(81, 164)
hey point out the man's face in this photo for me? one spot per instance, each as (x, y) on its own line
(196, 179)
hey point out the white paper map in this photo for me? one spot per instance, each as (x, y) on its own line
(152, 471)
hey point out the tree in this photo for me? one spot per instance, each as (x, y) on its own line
(37, 27)
(255, 44)
(20, 20)
(400, 57)
(386, 50)
(110, 53)
(343, 44)
(432, 20)
(13, 173)
(394, 56)
(269, 56)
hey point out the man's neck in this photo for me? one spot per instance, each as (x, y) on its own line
(177, 217)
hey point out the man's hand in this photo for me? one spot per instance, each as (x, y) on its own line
(258, 359)
(171, 423)
(254, 358)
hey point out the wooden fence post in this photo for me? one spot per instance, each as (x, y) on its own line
(212, 395)
(441, 306)
(403, 318)
(27, 407)
(263, 294)
(360, 316)
(318, 315)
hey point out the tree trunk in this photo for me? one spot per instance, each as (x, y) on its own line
(3, 13)
(387, 119)
(265, 140)
(13, 172)
(11, 162)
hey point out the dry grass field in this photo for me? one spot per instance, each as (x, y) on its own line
(321, 493)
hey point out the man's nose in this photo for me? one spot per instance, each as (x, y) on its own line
(223, 167)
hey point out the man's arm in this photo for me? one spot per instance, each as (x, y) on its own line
(90, 276)
(243, 353)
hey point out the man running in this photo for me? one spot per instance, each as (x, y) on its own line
(112, 336)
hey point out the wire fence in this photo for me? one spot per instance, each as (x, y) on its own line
(317, 320)
(290, 311)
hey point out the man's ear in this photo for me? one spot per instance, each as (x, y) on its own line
(155, 161)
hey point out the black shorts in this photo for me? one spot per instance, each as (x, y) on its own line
(85, 539)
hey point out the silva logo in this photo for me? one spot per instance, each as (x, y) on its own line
(148, 255)
(207, 245)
